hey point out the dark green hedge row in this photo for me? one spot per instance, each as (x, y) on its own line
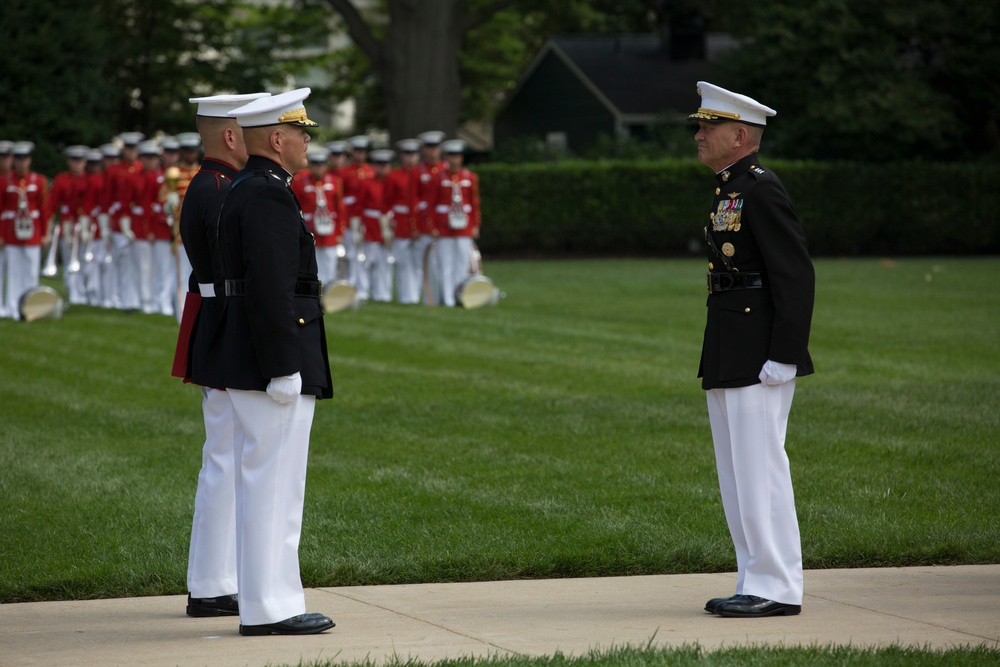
(588, 208)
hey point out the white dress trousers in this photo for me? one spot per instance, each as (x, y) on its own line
(326, 264)
(24, 264)
(164, 278)
(376, 278)
(125, 290)
(212, 557)
(748, 428)
(272, 448)
(407, 287)
(447, 249)
(142, 251)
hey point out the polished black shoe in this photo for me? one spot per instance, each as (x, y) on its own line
(713, 604)
(304, 624)
(751, 606)
(224, 605)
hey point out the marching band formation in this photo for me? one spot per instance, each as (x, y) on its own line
(393, 225)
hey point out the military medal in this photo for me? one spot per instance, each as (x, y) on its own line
(727, 216)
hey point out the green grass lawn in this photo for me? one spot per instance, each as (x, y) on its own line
(561, 434)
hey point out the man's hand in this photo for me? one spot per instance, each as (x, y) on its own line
(775, 373)
(285, 389)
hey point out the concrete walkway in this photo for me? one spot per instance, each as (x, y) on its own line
(928, 607)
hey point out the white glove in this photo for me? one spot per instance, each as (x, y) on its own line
(104, 222)
(776, 373)
(173, 199)
(285, 389)
(125, 223)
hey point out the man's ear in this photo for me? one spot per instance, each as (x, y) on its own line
(276, 139)
(741, 136)
(230, 138)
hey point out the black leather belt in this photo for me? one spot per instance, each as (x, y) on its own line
(723, 282)
(313, 288)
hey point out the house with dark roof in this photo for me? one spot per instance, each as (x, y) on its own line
(579, 87)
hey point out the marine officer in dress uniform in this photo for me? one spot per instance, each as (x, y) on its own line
(760, 304)
(211, 574)
(272, 343)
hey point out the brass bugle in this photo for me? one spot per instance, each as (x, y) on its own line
(50, 269)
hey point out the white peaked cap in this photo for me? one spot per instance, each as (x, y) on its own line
(719, 105)
(453, 147)
(219, 106)
(77, 151)
(131, 138)
(360, 142)
(282, 109)
(149, 147)
(431, 137)
(382, 155)
(408, 145)
(317, 154)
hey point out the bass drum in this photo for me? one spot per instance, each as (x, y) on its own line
(40, 302)
(478, 291)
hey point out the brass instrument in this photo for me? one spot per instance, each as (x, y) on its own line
(50, 269)
(91, 228)
(171, 177)
(73, 264)
(387, 223)
(104, 220)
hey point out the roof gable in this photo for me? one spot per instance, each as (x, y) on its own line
(631, 74)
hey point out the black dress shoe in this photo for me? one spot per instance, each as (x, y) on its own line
(304, 624)
(224, 605)
(751, 606)
(713, 604)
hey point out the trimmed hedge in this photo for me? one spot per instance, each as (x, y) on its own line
(661, 208)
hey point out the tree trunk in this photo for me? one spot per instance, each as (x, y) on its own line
(419, 66)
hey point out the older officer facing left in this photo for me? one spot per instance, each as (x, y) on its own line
(761, 287)
(272, 344)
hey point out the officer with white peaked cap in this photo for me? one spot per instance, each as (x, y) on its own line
(761, 290)
(272, 343)
(211, 573)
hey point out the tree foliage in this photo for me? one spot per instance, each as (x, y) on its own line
(55, 92)
(873, 81)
